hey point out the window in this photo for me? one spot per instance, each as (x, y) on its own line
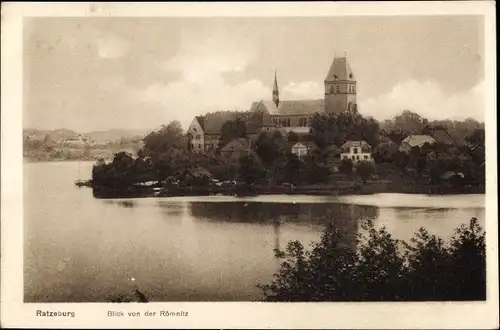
(303, 122)
(344, 157)
(338, 88)
(332, 90)
(353, 88)
(365, 157)
(355, 150)
(198, 137)
(357, 157)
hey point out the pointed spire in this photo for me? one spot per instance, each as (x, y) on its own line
(276, 94)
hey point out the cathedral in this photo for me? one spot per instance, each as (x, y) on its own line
(294, 115)
(283, 115)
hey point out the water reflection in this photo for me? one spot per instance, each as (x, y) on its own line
(345, 217)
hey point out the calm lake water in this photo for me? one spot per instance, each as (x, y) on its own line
(82, 249)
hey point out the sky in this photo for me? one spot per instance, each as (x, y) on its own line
(139, 73)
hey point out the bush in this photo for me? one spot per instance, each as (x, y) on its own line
(383, 268)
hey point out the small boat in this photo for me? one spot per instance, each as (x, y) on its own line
(83, 183)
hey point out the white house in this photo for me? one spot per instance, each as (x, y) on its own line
(356, 151)
(299, 149)
(77, 141)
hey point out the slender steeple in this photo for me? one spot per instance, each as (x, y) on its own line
(276, 94)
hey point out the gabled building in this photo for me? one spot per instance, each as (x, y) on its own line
(204, 132)
(356, 151)
(415, 141)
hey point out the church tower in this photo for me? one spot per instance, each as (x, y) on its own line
(340, 87)
(276, 94)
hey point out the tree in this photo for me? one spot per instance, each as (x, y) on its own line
(315, 172)
(346, 166)
(293, 137)
(410, 122)
(293, 169)
(250, 169)
(365, 170)
(232, 129)
(381, 268)
(384, 152)
(269, 147)
(165, 139)
(401, 159)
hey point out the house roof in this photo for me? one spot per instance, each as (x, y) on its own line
(200, 121)
(239, 144)
(212, 122)
(340, 70)
(359, 144)
(299, 145)
(418, 140)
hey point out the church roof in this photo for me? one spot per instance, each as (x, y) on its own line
(340, 70)
(294, 107)
(300, 107)
(268, 106)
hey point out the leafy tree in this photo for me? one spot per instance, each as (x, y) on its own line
(165, 139)
(381, 268)
(250, 169)
(365, 170)
(293, 169)
(314, 171)
(346, 166)
(410, 122)
(232, 129)
(401, 159)
(269, 147)
(293, 137)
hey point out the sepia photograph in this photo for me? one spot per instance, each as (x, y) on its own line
(254, 158)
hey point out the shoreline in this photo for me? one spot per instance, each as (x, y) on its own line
(151, 192)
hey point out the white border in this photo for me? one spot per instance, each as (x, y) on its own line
(14, 313)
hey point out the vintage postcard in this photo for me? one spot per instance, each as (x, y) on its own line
(249, 165)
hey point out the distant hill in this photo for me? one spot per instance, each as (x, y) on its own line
(102, 136)
(56, 134)
(115, 134)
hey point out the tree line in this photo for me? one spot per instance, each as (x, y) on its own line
(382, 268)
(166, 153)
